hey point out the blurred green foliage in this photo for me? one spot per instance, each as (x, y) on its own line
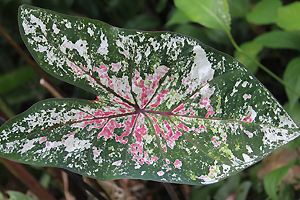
(14, 195)
(267, 31)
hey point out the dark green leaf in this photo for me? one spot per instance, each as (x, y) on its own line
(143, 21)
(192, 31)
(160, 6)
(280, 40)
(264, 12)
(228, 188)
(177, 17)
(273, 179)
(288, 16)
(287, 192)
(15, 79)
(239, 8)
(292, 80)
(252, 49)
(294, 111)
(243, 190)
(210, 13)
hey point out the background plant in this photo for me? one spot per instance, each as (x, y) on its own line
(261, 34)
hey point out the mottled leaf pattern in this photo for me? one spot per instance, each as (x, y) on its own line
(168, 107)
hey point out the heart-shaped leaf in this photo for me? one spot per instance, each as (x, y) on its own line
(169, 108)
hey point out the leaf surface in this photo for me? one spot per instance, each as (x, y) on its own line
(239, 9)
(264, 12)
(292, 80)
(273, 179)
(288, 16)
(279, 40)
(210, 13)
(253, 49)
(169, 108)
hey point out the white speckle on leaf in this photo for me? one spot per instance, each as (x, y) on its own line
(207, 91)
(55, 29)
(80, 46)
(154, 44)
(273, 135)
(226, 168)
(248, 133)
(148, 138)
(71, 144)
(124, 44)
(52, 145)
(115, 67)
(90, 31)
(244, 84)
(212, 176)
(68, 24)
(207, 180)
(147, 52)
(117, 163)
(31, 25)
(249, 149)
(103, 48)
(201, 71)
(234, 90)
(286, 121)
(29, 144)
(39, 23)
(246, 96)
(96, 153)
(246, 157)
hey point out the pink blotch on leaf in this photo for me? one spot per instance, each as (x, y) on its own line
(205, 103)
(75, 69)
(128, 125)
(216, 142)
(159, 97)
(145, 88)
(115, 67)
(248, 119)
(108, 130)
(177, 164)
(167, 161)
(183, 127)
(179, 108)
(160, 173)
(43, 139)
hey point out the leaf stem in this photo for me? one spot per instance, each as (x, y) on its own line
(50, 88)
(260, 65)
(20, 172)
(77, 179)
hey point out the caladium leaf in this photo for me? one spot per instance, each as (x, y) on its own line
(169, 108)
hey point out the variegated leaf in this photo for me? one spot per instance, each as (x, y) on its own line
(169, 108)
